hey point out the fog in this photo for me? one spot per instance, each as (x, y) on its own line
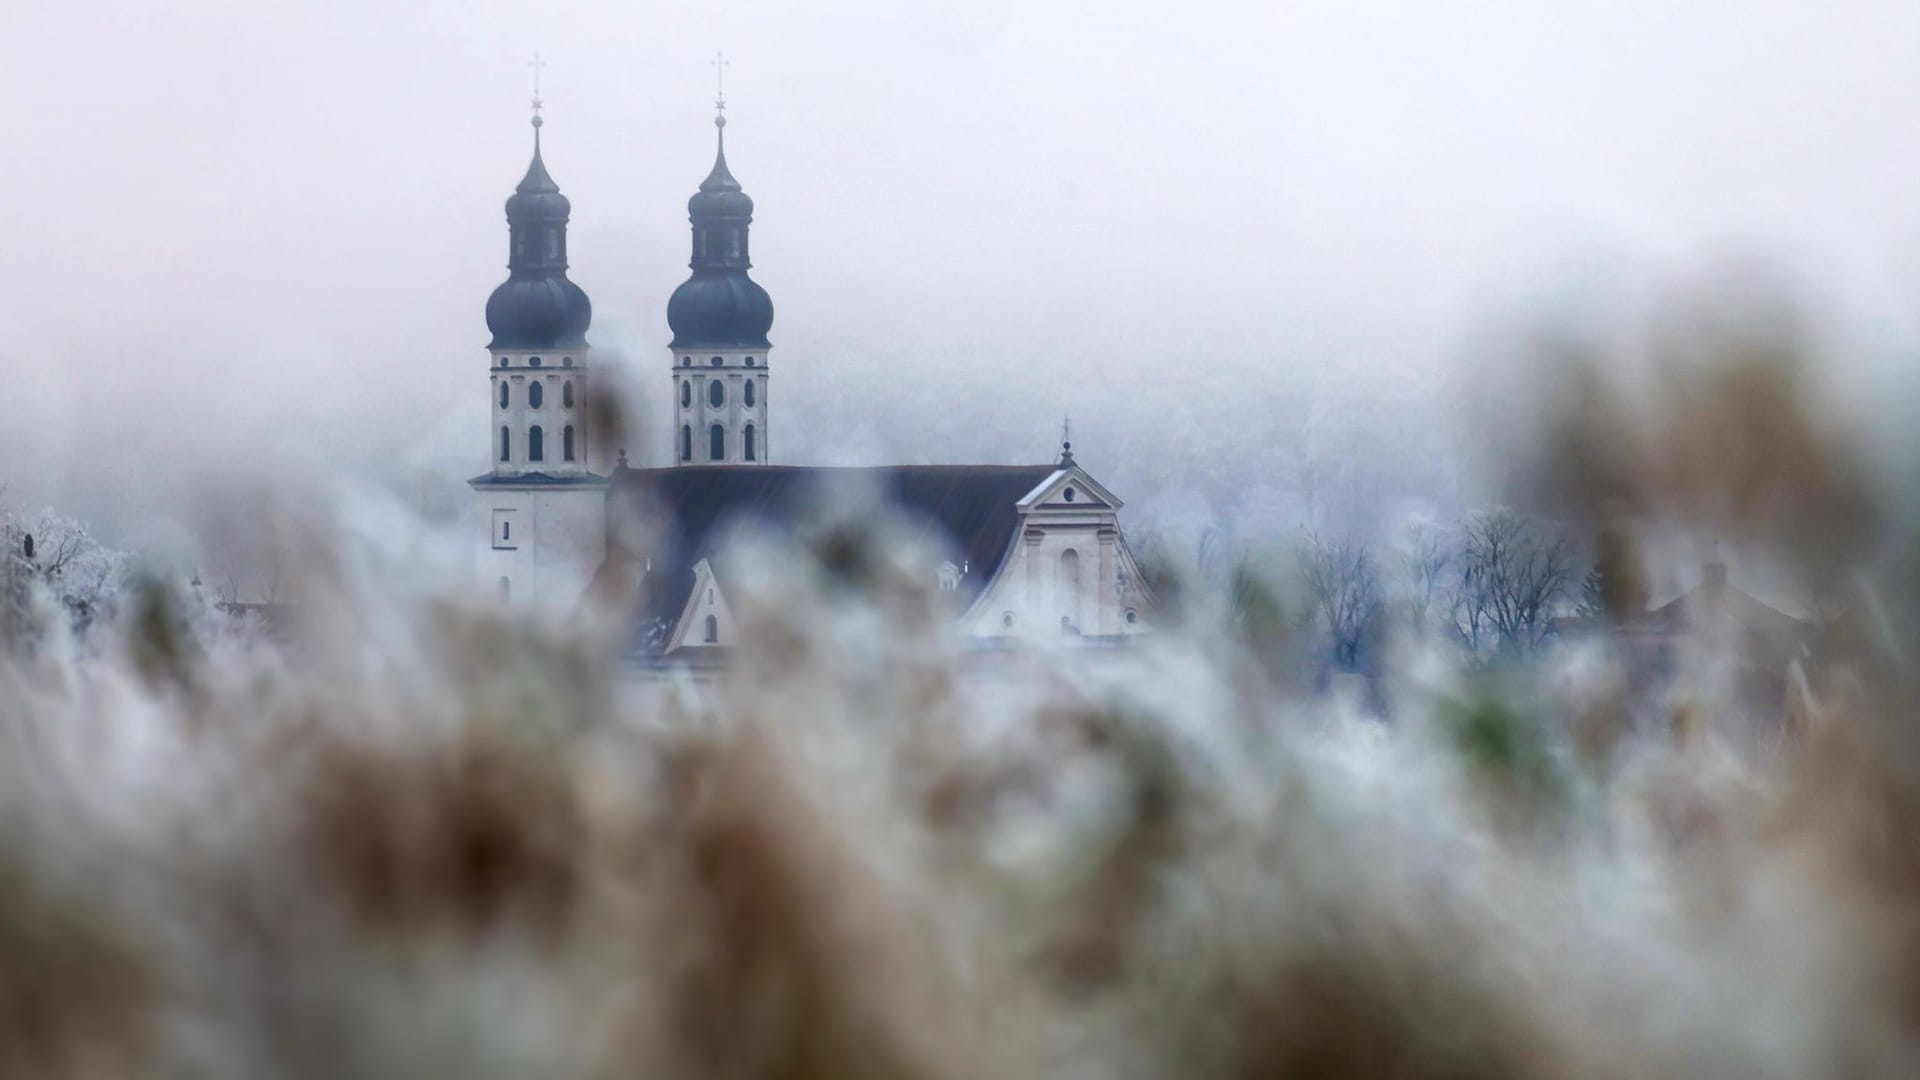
(1249, 248)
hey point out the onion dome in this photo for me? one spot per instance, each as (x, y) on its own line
(720, 307)
(537, 307)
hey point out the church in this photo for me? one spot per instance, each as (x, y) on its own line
(1031, 551)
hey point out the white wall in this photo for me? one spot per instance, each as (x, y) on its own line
(698, 370)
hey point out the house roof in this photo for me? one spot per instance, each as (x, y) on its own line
(970, 509)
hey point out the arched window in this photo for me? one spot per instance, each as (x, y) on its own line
(747, 447)
(713, 630)
(686, 392)
(506, 445)
(686, 443)
(535, 395)
(748, 392)
(566, 394)
(566, 443)
(536, 444)
(716, 443)
(716, 393)
(1067, 590)
(503, 393)
(717, 361)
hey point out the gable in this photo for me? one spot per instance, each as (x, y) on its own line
(1070, 488)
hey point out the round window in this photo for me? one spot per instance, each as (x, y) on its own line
(1069, 494)
(717, 361)
(686, 361)
(1006, 620)
(1132, 618)
(533, 361)
(749, 361)
(566, 361)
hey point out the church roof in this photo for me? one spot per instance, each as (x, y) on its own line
(970, 509)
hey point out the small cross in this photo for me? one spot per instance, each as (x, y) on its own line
(720, 81)
(1066, 431)
(536, 64)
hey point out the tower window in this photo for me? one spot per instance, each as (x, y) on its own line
(566, 394)
(536, 444)
(749, 393)
(716, 443)
(686, 392)
(747, 447)
(566, 443)
(535, 395)
(686, 361)
(566, 361)
(506, 530)
(717, 361)
(716, 393)
(506, 445)
(686, 443)
(533, 361)
(503, 394)
(506, 361)
(713, 630)
(749, 361)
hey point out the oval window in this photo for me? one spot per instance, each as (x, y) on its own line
(533, 361)
(747, 392)
(716, 361)
(503, 394)
(566, 394)
(566, 361)
(686, 361)
(749, 361)
(716, 393)
(686, 392)
(535, 394)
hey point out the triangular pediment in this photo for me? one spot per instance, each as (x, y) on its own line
(1070, 488)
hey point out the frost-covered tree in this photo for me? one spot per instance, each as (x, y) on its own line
(1343, 595)
(55, 551)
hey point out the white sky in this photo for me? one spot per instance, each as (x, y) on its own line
(1242, 244)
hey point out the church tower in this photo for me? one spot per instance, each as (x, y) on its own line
(541, 503)
(720, 318)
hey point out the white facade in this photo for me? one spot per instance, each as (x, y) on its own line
(1069, 573)
(542, 508)
(720, 404)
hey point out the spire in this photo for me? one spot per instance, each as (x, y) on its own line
(720, 179)
(537, 181)
(538, 307)
(720, 305)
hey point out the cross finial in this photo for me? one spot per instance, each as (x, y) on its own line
(536, 64)
(1066, 441)
(720, 89)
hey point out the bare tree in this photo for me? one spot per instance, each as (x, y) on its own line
(1513, 574)
(1424, 562)
(1343, 590)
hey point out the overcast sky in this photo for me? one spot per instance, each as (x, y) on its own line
(1234, 241)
